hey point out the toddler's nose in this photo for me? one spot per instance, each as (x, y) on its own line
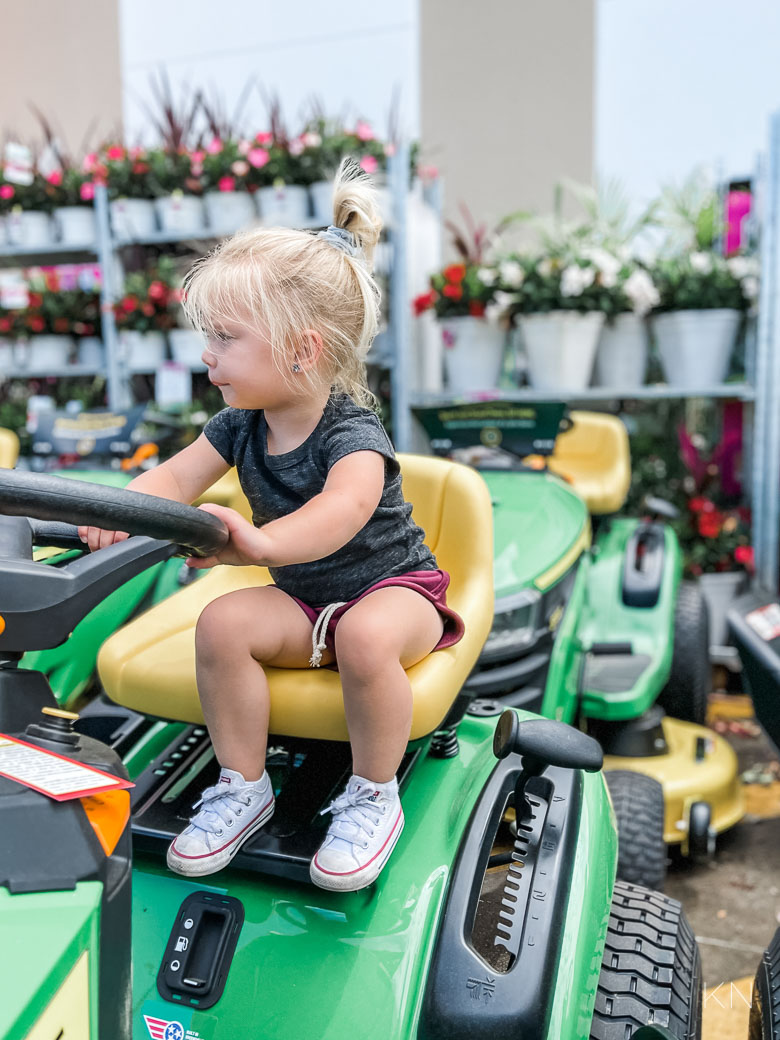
(208, 358)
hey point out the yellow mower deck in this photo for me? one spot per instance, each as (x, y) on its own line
(713, 777)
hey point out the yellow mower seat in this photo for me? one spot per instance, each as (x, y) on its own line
(9, 448)
(595, 458)
(149, 665)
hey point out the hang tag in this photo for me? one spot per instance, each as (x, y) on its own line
(18, 167)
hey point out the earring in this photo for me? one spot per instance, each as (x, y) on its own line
(296, 367)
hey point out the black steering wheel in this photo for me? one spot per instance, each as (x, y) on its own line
(79, 503)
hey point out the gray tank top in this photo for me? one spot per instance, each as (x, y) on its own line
(389, 544)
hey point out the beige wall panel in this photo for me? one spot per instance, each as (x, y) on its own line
(63, 56)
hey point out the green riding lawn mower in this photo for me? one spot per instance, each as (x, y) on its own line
(593, 625)
(471, 931)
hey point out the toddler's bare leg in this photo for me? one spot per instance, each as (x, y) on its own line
(383, 634)
(236, 635)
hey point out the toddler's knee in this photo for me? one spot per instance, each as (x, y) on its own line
(364, 644)
(216, 629)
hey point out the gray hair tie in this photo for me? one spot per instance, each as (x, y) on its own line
(341, 239)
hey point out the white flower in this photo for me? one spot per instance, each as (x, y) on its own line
(494, 313)
(511, 273)
(545, 267)
(742, 266)
(641, 292)
(575, 280)
(607, 263)
(505, 300)
(750, 287)
(312, 139)
(486, 275)
(701, 263)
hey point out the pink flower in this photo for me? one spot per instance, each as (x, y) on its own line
(258, 157)
(297, 147)
(363, 131)
(244, 146)
(369, 164)
(135, 153)
(6, 191)
(214, 147)
(55, 177)
(196, 169)
(115, 152)
(87, 191)
(226, 183)
(264, 138)
(240, 168)
(89, 162)
(197, 157)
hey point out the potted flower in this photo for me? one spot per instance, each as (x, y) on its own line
(27, 207)
(175, 179)
(224, 167)
(716, 543)
(703, 298)
(630, 294)
(10, 328)
(126, 174)
(143, 315)
(70, 189)
(703, 295)
(559, 299)
(47, 340)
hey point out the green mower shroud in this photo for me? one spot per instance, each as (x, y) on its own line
(401, 959)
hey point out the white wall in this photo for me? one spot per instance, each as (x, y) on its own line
(681, 83)
(350, 54)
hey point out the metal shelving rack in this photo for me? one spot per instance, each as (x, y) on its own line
(760, 391)
(106, 251)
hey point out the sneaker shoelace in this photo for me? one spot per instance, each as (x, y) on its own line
(354, 816)
(219, 809)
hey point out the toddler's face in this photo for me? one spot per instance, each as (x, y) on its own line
(240, 363)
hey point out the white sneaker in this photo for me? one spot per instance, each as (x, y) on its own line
(230, 813)
(367, 822)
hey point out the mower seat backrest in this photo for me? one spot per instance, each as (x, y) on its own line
(149, 665)
(594, 456)
(9, 448)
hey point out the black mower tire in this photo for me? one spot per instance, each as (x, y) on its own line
(765, 1005)
(685, 694)
(650, 972)
(638, 801)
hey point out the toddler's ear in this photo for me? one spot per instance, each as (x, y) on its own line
(308, 349)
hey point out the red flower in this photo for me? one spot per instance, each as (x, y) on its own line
(129, 304)
(34, 299)
(140, 167)
(424, 302)
(455, 272)
(476, 309)
(52, 281)
(709, 524)
(5, 324)
(453, 292)
(115, 152)
(147, 309)
(744, 554)
(35, 323)
(55, 178)
(226, 183)
(6, 191)
(698, 505)
(157, 291)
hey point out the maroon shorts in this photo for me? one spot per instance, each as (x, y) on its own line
(431, 584)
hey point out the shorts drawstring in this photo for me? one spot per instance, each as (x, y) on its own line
(319, 633)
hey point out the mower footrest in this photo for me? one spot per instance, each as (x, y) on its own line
(613, 673)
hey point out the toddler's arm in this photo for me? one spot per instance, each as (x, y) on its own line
(182, 478)
(324, 524)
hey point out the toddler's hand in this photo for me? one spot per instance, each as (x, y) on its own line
(97, 538)
(243, 548)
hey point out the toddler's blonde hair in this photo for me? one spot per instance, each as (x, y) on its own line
(280, 281)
